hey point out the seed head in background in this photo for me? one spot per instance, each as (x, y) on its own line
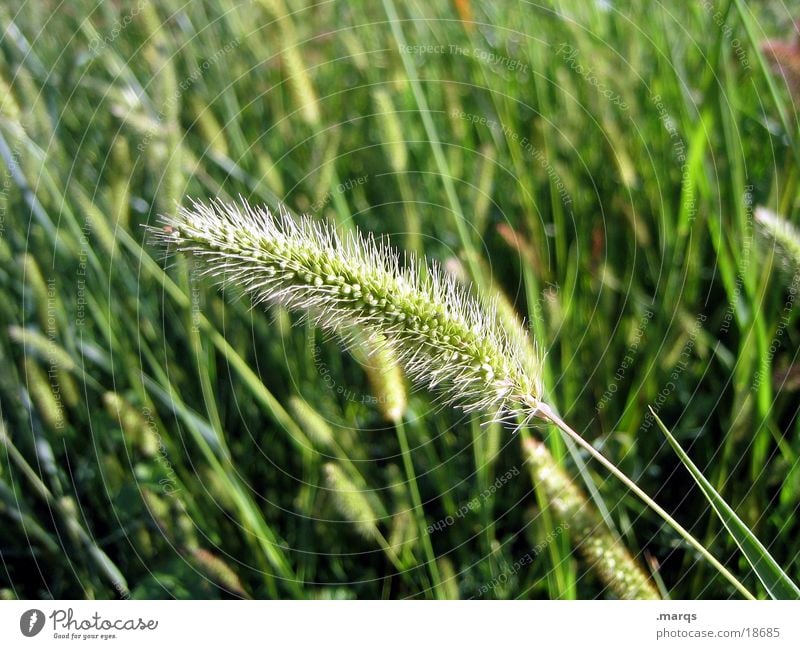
(784, 235)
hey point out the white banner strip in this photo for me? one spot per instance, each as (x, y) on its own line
(405, 624)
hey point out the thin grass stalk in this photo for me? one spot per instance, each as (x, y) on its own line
(419, 512)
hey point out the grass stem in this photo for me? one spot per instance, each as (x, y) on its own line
(419, 512)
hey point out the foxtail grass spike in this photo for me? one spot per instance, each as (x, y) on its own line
(610, 560)
(483, 192)
(300, 83)
(120, 182)
(219, 572)
(444, 337)
(314, 425)
(41, 295)
(46, 395)
(167, 96)
(36, 344)
(9, 108)
(449, 577)
(785, 235)
(133, 424)
(391, 130)
(351, 502)
(385, 377)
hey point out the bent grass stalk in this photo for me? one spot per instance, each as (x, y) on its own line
(445, 338)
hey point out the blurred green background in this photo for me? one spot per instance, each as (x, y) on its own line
(595, 163)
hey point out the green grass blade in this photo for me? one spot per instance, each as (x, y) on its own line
(775, 580)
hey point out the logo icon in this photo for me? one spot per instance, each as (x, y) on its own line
(31, 622)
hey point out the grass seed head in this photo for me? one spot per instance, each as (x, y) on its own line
(445, 338)
(785, 235)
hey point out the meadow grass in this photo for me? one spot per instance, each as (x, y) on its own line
(594, 169)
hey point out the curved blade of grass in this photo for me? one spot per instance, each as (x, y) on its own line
(775, 580)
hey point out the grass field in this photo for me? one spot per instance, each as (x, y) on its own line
(594, 166)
